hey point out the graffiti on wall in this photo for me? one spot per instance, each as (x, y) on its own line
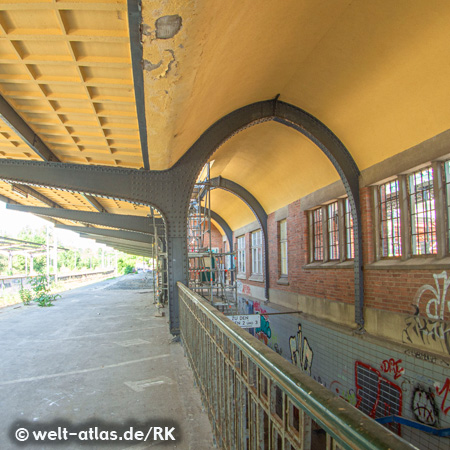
(301, 352)
(426, 357)
(264, 332)
(436, 305)
(347, 394)
(423, 406)
(376, 396)
(444, 393)
(423, 331)
(393, 366)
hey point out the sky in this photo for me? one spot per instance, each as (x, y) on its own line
(12, 222)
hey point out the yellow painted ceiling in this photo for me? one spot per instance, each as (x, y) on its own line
(65, 67)
(289, 166)
(235, 212)
(376, 73)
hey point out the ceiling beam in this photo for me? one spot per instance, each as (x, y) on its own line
(225, 227)
(137, 186)
(37, 195)
(124, 222)
(134, 25)
(141, 251)
(123, 242)
(121, 234)
(94, 203)
(22, 129)
(8, 200)
(250, 200)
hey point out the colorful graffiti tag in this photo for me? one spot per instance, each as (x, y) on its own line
(436, 306)
(424, 407)
(376, 396)
(444, 392)
(348, 395)
(264, 332)
(301, 353)
(423, 331)
(390, 365)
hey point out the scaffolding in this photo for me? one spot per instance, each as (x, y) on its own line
(159, 255)
(211, 271)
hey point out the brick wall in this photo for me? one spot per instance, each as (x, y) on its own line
(387, 289)
(216, 239)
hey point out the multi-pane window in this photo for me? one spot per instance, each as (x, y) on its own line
(333, 231)
(241, 254)
(390, 219)
(257, 252)
(317, 229)
(349, 233)
(447, 196)
(423, 212)
(283, 248)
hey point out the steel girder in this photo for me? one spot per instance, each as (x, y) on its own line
(21, 128)
(250, 200)
(38, 196)
(130, 223)
(94, 203)
(145, 247)
(8, 201)
(131, 236)
(225, 227)
(135, 25)
(132, 250)
(169, 191)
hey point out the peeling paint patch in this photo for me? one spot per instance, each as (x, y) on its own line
(168, 26)
(163, 67)
(146, 30)
(169, 66)
(150, 66)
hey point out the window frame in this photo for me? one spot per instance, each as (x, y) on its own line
(399, 222)
(348, 231)
(256, 250)
(341, 232)
(241, 254)
(316, 237)
(440, 186)
(428, 212)
(333, 230)
(283, 243)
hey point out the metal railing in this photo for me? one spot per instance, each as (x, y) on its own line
(257, 400)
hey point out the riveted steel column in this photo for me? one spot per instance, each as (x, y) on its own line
(176, 212)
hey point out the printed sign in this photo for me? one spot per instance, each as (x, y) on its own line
(247, 320)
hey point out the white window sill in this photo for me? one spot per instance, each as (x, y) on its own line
(258, 278)
(414, 263)
(329, 265)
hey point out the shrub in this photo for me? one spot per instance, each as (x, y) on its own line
(25, 295)
(42, 291)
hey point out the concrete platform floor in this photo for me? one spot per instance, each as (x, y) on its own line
(98, 356)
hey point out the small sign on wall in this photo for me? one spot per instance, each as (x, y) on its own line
(247, 320)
